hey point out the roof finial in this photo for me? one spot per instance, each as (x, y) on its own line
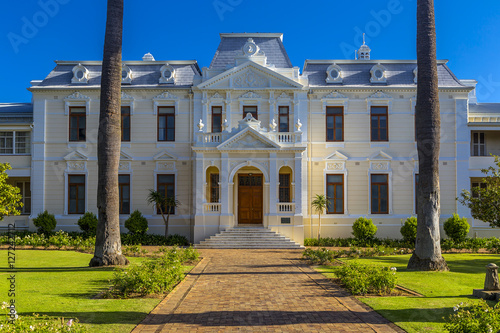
(364, 39)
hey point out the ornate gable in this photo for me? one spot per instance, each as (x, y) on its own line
(76, 156)
(248, 139)
(163, 155)
(249, 75)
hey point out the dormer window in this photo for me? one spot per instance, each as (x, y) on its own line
(378, 74)
(167, 74)
(126, 74)
(80, 74)
(415, 75)
(334, 74)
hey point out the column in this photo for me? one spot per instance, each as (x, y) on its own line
(199, 184)
(273, 181)
(224, 186)
(300, 194)
(228, 110)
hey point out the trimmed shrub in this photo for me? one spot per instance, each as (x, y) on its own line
(456, 228)
(363, 229)
(362, 279)
(409, 230)
(136, 223)
(88, 223)
(474, 318)
(45, 222)
(321, 256)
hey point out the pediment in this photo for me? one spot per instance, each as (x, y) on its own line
(125, 157)
(76, 156)
(249, 75)
(337, 156)
(164, 156)
(248, 139)
(380, 156)
(379, 95)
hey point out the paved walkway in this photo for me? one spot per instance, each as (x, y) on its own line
(259, 291)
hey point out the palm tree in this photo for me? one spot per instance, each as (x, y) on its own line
(319, 204)
(108, 243)
(427, 254)
(163, 203)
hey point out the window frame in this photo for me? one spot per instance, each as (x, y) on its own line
(218, 115)
(334, 115)
(25, 184)
(214, 188)
(378, 128)
(14, 139)
(166, 115)
(379, 196)
(78, 116)
(287, 115)
(158, 184)
(120, 193)
(245, 107)
(478, 145)
(84, 184)
(284, 188)
(335, 184)
(122, 128)
(476, 183)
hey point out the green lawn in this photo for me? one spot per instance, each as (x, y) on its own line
(60, 284)
(442, 290)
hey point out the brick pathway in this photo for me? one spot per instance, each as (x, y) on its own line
(259, 291)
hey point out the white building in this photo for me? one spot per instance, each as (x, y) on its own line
(249, 140)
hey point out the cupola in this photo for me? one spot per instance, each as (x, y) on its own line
(364, 51)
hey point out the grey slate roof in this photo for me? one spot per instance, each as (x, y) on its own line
(147, 75)
(358, 75)
(18, 113)
(484, 108)
(231, 47)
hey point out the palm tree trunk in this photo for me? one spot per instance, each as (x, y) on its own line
(166, 223)
(108, 243)
(319, 227)
(427, 254)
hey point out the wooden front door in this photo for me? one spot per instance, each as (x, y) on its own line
(250, 200)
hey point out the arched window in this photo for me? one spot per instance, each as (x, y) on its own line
(285, 176)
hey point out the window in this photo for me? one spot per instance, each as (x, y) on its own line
(214, 187)
(379, 123)
(335, 194)
(477, 183)
(76, 193)
(25, 191)
(216, 119)
(15, 142)
(284, 189)
(478, 144)
(250, 109)
(125, 123)
(77, 123)
(284, 119)
(166, 123)
(416, 193)
(166, 186)
(124, 193)
(380, 194)
(334, 123)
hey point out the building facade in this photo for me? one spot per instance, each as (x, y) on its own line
(249, 140)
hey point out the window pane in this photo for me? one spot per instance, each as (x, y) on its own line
(383, 134)
(81, 206)
(378, 110)
(216, 123)
(170, 135)
(123, 179)
(339, 206)
(383, 122)
(338, 134)
(72, 206)
(334, 110)
(72, 192)
(330, 192)
(170, 122)
(329, 122)
(339, 193)
(335, 178)
(81, 192)
(338, 121)
(379, 178)
(79, 179)
(166, 179)
(375, 193)
(166, 110)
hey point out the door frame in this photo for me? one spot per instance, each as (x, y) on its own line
(261, 196)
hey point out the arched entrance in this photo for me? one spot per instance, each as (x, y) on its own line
(250, 198)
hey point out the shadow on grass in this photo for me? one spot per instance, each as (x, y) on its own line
(55, 269)
(109, 317)
(431, 315)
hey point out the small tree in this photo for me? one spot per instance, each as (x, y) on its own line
(10, 199)
(164, 204)
(484, 202)
(319, 203)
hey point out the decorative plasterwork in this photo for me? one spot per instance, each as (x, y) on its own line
(164, 99)
(128, 100)
(165, 166)
(378, 74)
(283, 96)
(75, 156)
(80, 74)
(76, 99)
(379, 99)
(335, 98)
(337, 156)
(334, 95)
(250, 95)
(76, 161)
(167, 74)
(126, 74)
(125, 157)
(216, 96)
(250, 79)
(379, 166)
(380, 156)
(335, 166)
(380, 95)
(334, 74)
(250, 48)
(164, 156)
(482, 119)
(248, 139)
(258, 76)
(124, 166)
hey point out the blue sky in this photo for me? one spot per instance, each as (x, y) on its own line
(34, 33)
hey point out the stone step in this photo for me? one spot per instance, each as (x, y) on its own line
(283, 247)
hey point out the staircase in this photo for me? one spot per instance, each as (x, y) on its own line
(248, 238)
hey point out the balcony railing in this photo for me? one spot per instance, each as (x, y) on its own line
(286, 137)
(481, 162)
(212, 207)
(286, 207)
(215, 139)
